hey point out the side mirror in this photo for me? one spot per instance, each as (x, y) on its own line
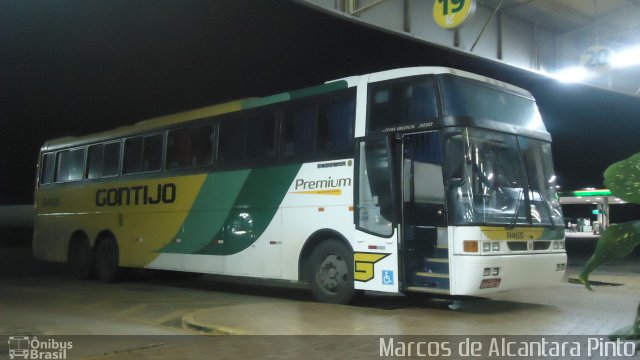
(456, 182)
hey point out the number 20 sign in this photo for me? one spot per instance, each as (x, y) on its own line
(598, 59)
(452, 14)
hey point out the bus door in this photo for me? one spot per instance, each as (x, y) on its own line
(424, 235)
(375, 243)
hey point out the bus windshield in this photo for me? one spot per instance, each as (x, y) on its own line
(465, 97)
(500, 179)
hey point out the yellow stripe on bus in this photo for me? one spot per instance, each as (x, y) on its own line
(142, 221)
(518, 233)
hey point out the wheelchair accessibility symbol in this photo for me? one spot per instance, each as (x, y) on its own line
(387, 277)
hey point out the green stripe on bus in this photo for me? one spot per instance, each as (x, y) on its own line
(257, 102)
(253, 211)
(295, 94)
(208, 212)
(320, 89)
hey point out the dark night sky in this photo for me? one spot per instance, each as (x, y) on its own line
(75, 67)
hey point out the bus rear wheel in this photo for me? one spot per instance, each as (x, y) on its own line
(107, 261)
(331, 273)
(81, 260)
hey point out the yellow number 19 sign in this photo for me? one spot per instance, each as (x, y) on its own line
(452, 14)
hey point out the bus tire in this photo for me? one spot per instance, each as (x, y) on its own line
(107, 261)
(81, 260)
(330, 272)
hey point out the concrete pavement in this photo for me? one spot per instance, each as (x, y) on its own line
(567, 309)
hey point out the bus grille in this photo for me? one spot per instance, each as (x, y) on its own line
(522, 245)
(517, 245)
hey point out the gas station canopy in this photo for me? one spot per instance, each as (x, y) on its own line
(601, 198)
(589, 196)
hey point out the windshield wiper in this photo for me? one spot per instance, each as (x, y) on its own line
(516, 214)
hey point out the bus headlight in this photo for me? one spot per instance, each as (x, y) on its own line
(486, 247)
(495, 246)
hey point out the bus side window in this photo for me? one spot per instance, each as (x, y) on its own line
(103, 160)
(62, 168)
(400, 102)
(111, 159)
(190, 147)
(299, 126)
(132, 155)
(143, 154)
(202, 138)
(178, 145)
(380, 108)
(152, 153)
(48, 168)
(232, 140)
(70, 165)
(76, 164)
(95, 160)
(335, 125)
(261, 135)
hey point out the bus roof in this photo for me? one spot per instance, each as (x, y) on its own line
(431, 70)
(232, 106)
(189, 115)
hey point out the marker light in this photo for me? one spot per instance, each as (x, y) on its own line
(470, 246)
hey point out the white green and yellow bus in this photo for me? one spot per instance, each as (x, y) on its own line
(423, 179)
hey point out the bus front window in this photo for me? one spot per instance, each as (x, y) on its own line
(501, 179)
(545, 207)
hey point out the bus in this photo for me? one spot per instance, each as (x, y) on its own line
(414, 180)
(19, 347)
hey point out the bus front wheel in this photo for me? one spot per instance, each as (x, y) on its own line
(107, 261)
(331, 273)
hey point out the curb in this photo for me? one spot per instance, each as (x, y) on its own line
(189, 322)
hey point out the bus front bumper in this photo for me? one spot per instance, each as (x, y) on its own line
(480, 275)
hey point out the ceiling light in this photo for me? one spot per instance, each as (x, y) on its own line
(626, 58)
(572, 74)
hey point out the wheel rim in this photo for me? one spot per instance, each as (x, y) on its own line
(332, 272)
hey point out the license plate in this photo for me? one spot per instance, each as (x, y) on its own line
(490, 283)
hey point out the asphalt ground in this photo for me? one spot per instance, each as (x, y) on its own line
(142, 316)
